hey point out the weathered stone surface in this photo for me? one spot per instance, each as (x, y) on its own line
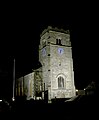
(56, 74)
(58, 64)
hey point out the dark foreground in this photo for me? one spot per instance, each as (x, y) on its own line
(83, 107)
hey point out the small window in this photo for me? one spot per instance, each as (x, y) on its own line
(48, 54)
(59, 64)
(58, 41)
(60, 82)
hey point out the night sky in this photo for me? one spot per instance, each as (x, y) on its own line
(20, 34)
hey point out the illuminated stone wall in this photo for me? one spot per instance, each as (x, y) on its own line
(38, 83)
(19, 86)
(56, 74)
(29, 85)
(56, 60)
(25, 86)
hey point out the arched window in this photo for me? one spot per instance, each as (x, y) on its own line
(60, 82)
(58, 41)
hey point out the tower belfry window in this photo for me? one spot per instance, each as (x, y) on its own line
(58, 41)
(60, 82)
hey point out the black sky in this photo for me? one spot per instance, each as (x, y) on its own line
(20, 35)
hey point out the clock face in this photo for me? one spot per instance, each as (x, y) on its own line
(43, 51)
(60, 50)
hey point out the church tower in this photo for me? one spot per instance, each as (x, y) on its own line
(55, 55)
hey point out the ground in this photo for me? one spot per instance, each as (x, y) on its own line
(84, 107)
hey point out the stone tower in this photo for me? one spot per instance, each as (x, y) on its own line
(55, 55)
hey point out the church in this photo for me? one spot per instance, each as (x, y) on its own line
(55, 77)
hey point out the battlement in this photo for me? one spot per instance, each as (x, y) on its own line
(50, 28)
